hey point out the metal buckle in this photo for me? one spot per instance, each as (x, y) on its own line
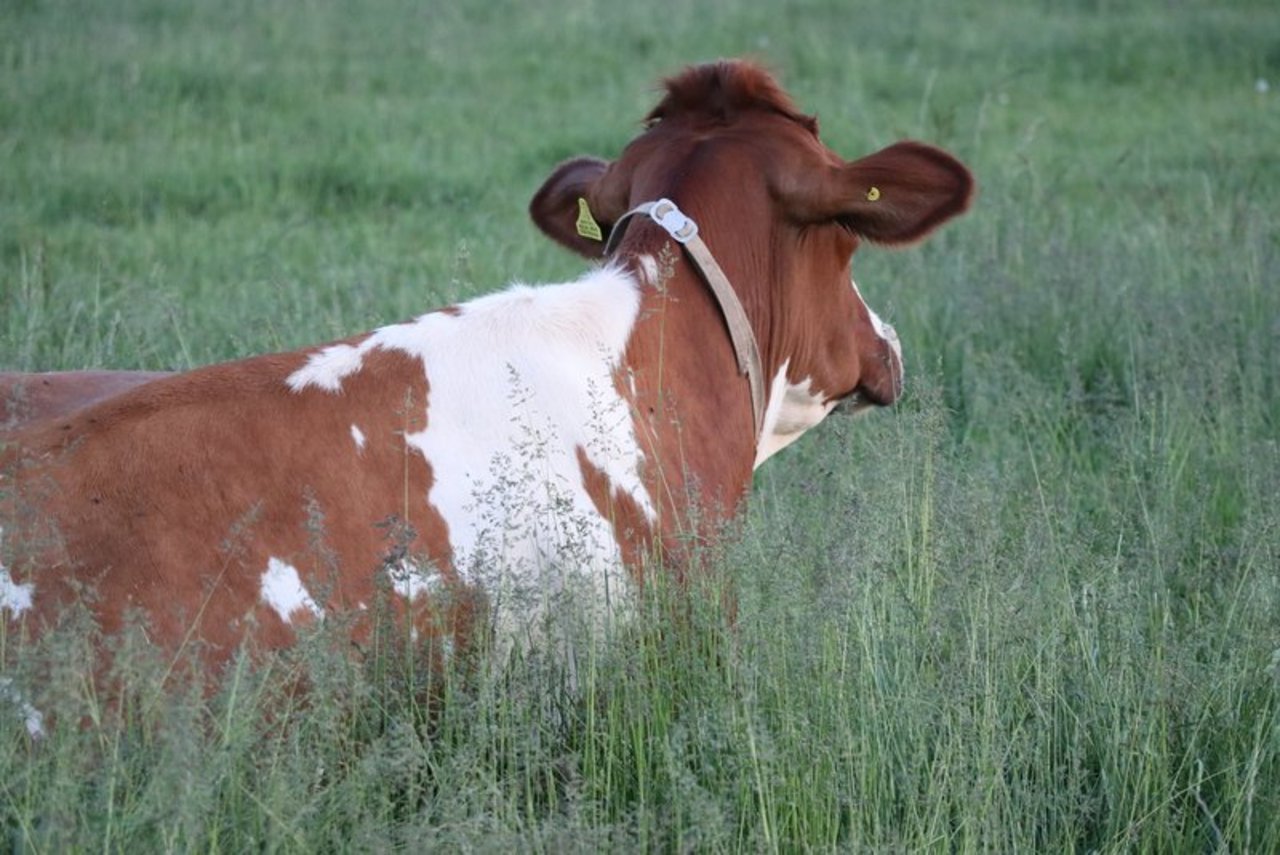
(665, 213)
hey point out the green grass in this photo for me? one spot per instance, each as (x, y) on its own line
(1034, 608)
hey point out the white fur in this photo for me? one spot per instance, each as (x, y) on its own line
(884, 330)
(31, 716)
(358, 436)
(887, 333)
(649, 269)
(329, 367)
(793, 408)
(519, 381)
(411, 581)
(282, 589)
(15, 598)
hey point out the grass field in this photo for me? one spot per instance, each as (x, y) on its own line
(1036, 607)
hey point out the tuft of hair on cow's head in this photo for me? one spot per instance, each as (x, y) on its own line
(718, 92)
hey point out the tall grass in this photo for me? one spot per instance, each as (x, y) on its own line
(1034, 608)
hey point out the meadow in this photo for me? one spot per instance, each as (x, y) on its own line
(1034, 607)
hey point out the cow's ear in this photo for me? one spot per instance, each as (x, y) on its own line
(576, 207)
(896, 196)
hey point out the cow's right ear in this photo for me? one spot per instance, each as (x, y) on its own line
(571, 208)
(896, 196)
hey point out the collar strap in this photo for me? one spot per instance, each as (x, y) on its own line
(684, 231)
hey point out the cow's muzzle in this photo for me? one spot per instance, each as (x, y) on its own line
(882, 375)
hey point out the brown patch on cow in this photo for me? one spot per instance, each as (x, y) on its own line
(117, 477)
(630, 524)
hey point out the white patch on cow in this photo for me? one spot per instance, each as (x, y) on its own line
(884, 330)
(648, 269)
(31, 716)
(328, 367)
(520, 380)
(890, 335)
(358, 436)
(411, 581)
(793, 408)
(15, 598)
(282, 589)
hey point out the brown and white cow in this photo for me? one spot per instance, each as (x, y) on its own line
(520, 447)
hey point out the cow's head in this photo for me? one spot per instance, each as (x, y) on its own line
(783, 214)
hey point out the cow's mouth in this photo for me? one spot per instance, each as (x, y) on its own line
(862, 399)
(853, 404)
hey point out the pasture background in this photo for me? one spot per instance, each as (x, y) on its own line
(1035, 607)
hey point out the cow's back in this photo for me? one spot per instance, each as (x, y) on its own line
(181, 497)
(26, 398)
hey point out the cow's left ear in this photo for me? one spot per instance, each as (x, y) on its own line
(896, 196)
(574, 206)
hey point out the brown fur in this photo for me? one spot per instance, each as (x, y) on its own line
(720, 91)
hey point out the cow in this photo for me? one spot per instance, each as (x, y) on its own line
(28, 398)
(483, 465)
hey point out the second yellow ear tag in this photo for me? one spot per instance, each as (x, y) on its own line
(587, 225)
(873, 194)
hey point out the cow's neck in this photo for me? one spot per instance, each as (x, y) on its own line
(693, 408)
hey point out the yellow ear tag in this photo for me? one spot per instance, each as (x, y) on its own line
(873, 194)
(587, 225)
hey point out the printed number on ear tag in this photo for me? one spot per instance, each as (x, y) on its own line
(587, 225)
(873, 194)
